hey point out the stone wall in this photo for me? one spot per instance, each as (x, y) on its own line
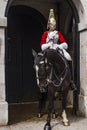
(81, 6)
(82, 29)
(3, 103)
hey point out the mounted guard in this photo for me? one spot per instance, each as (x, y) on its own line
(53, 39)
(52, 69)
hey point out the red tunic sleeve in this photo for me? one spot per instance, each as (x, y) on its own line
(43, 38)
(61, 38)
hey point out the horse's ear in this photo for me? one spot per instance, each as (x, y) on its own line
(34, 53)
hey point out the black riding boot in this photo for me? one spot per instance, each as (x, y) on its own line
(72, 84)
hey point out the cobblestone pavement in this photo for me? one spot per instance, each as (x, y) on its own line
(76, 123)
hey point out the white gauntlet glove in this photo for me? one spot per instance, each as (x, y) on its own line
(46, 45)
(63, 46)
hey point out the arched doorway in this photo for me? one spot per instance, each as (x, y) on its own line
(66, 24)
(15, 47)
(24, 25)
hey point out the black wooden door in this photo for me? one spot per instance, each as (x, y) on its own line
(22, 34)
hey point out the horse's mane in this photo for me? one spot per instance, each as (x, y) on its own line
(54, 57)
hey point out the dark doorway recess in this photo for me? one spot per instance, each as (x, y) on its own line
(25, 26)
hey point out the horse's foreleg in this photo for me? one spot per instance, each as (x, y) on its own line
(50, 107)
(64, 114)
(42, 101)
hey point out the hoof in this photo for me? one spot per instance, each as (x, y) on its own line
(54, 116)
(66, 123)
(39, 115)
(47, 127)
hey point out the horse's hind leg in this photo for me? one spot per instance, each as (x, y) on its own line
(64, 114)
(53, 112)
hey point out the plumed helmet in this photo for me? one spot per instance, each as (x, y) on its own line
(51, 18)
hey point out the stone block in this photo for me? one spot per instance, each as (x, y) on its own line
(3, 113)
(82, 106)
(3, 22)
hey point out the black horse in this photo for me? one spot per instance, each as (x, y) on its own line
(53, 75)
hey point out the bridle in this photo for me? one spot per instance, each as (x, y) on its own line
(40, 60)
(49, 80)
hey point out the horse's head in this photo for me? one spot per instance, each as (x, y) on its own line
(41, 68)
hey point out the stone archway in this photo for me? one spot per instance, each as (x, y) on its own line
(65, 24)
